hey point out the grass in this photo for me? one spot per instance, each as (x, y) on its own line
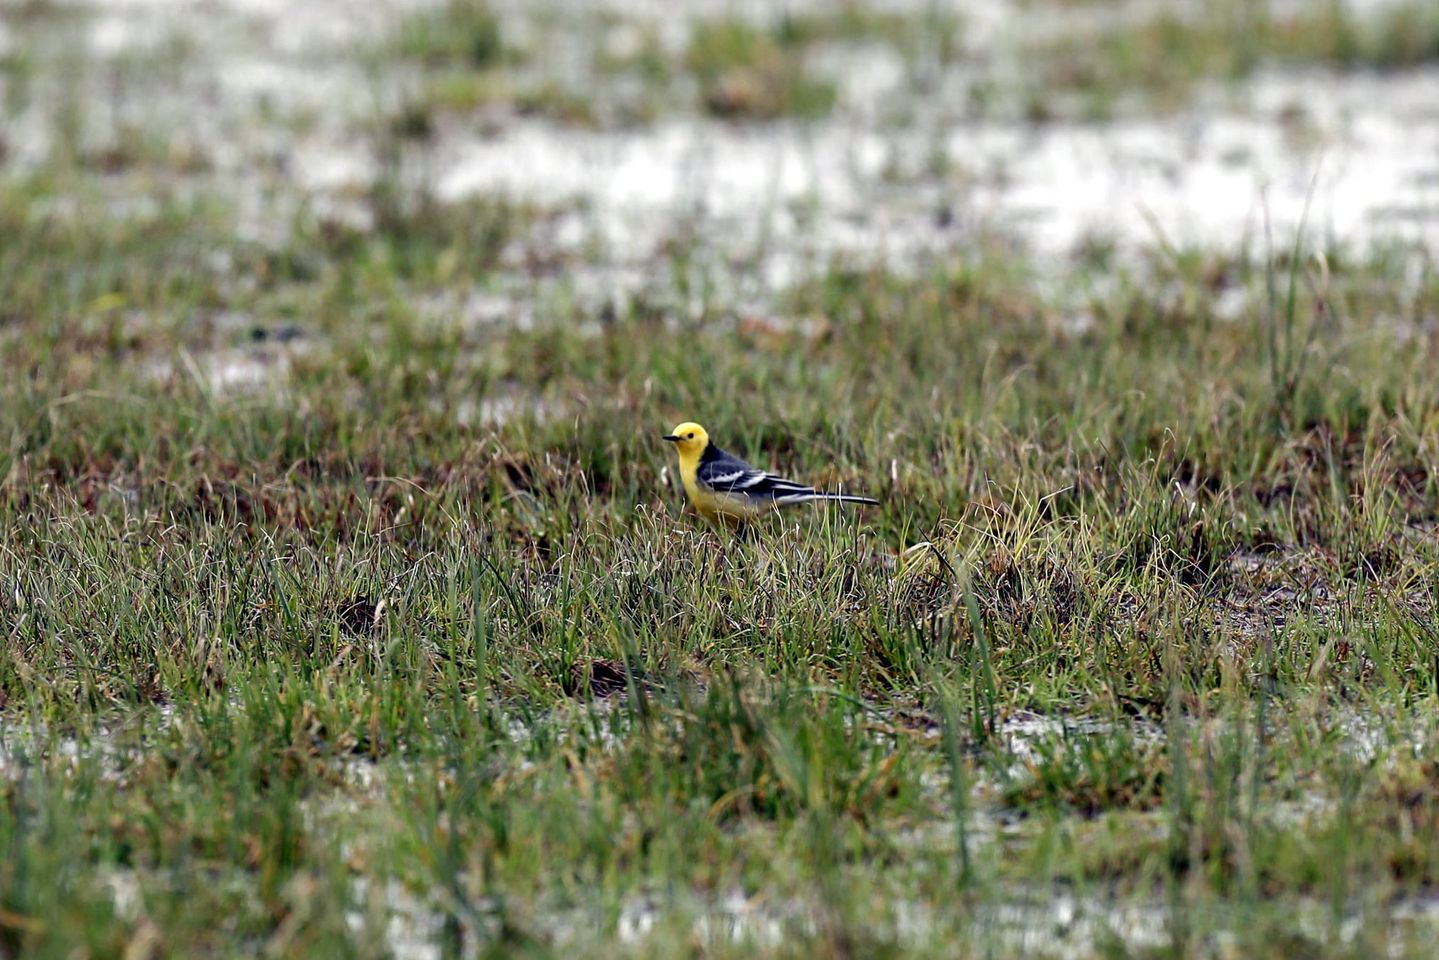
(459, 31)
(307, 659)
(747, 69)
(1136, 657)
(730, 68)
(1160, 60)
(746, 72)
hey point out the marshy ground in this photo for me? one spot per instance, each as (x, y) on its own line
(347, 606)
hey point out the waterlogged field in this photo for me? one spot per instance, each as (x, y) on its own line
(347, 602)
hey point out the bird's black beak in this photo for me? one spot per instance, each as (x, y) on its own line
(672, 438)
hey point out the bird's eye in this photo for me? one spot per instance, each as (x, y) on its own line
(689, 436)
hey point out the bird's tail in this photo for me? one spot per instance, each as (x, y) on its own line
(836, 497)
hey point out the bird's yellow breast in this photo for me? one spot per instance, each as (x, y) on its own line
(714, 507)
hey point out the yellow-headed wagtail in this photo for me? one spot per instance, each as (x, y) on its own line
(725, 489)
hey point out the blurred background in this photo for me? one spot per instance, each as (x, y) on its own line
(606, 154)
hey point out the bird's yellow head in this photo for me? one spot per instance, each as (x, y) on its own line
(689, 438)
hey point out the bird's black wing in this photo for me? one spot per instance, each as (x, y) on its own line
(726, 473)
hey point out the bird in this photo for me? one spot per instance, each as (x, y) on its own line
(729, 492)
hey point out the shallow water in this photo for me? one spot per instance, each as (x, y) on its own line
(275, 101)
